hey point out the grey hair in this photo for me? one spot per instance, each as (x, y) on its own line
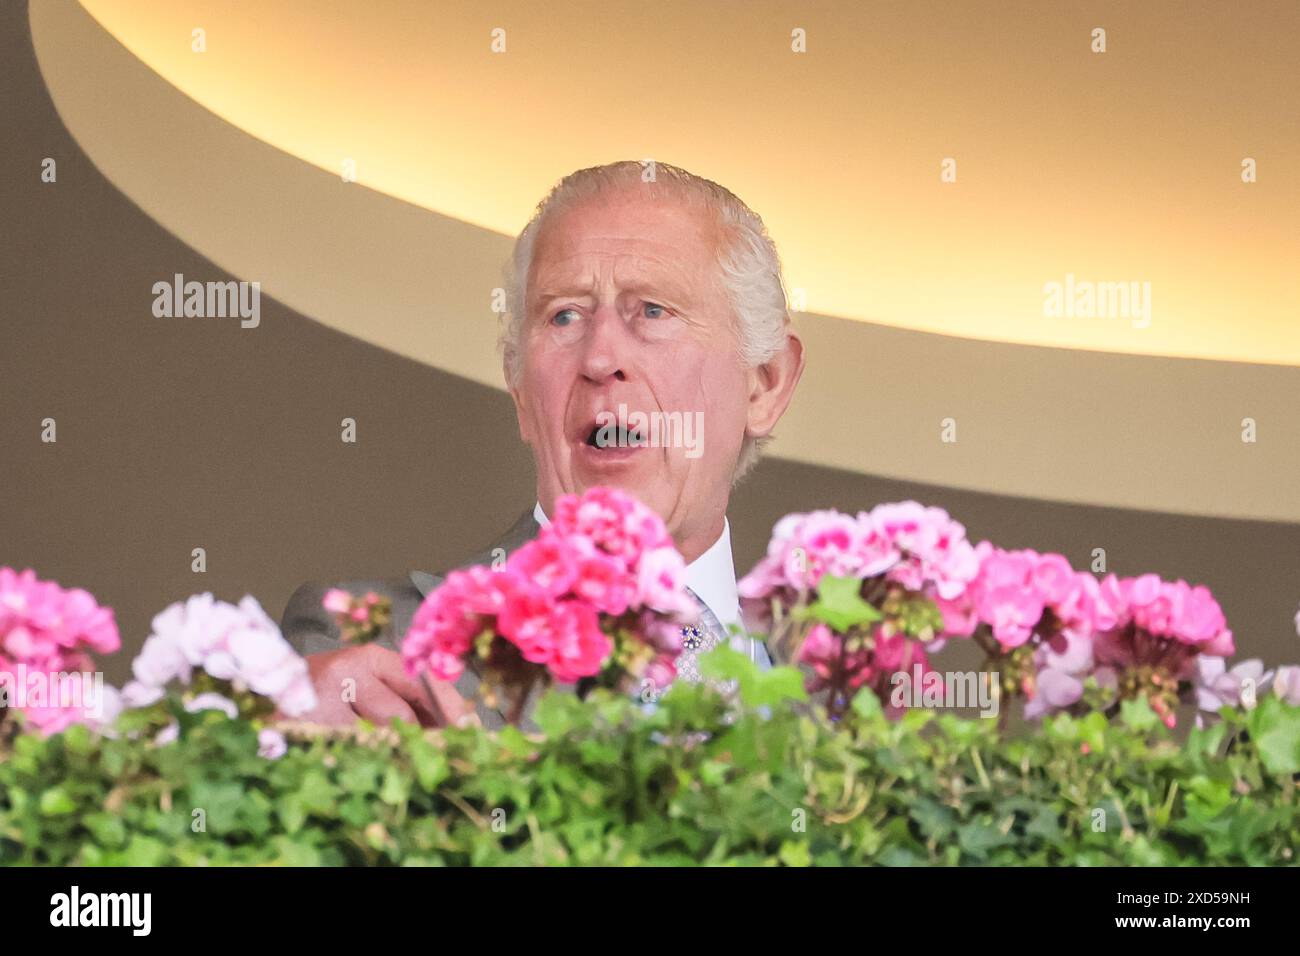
(749, 263)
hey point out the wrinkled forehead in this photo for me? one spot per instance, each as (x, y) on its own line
(638, 239)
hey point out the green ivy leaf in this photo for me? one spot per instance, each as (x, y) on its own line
(840, 605)
(396, 787)
(978, 839)
(1137, 714)
(758, 688)
(55, 802)
(1275, 728)
(867, 705)
(690, 782)
(795, 853)
(108, 829)
(430, 763)
(1206, 741)
(1092, 731)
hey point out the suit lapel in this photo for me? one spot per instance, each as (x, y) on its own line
(521, 532)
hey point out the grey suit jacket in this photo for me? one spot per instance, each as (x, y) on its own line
(311, 629)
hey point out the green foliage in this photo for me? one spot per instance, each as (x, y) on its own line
(608, 781)
(757, 688)
(841, 606)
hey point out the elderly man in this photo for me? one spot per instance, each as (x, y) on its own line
(640, 286)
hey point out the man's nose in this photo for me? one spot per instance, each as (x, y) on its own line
(607, 351)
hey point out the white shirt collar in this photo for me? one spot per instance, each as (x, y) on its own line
(712, 576)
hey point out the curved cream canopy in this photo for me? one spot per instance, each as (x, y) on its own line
(1123, 166)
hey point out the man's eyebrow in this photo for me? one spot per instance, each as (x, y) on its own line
(651, 288)
(563, 292)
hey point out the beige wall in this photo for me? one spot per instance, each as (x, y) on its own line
(1088, 427)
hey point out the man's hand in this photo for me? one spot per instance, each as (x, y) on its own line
(369, 682)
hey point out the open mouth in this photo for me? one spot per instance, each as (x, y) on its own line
(614, 436)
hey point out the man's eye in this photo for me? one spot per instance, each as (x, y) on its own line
(565, 317)
(653, 311)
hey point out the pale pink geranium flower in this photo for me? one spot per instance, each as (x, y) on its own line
(1239, 686)
(271, 743)
(237, 643)
(1286, 684)
(160, 661)
(766, 577)
(336, 601)
(1062, 664)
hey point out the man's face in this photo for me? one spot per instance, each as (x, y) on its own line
(625, 306)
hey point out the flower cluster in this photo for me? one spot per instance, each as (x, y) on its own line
(1036, 616)
(1218, 685)
(600, 589)
(360, 619)
(1054, 632)
(1160, 630)
(216, 649)
(46, 634)
(868, 597)
(864, 663)
(888, 567)
(1174, 611)
(1016, 591)
(921, 549)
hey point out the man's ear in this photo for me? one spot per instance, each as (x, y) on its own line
(521, 412)
(771, 386)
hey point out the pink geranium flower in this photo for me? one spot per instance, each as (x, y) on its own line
(920, 548)
(50, 631)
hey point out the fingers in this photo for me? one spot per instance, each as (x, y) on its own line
(370, 682)
(380, 704)
(453, 710)
(388, 668)
(349, 685)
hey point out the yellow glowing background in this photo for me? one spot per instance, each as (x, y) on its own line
(1117, 166)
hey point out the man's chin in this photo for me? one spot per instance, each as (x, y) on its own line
(630, 470)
